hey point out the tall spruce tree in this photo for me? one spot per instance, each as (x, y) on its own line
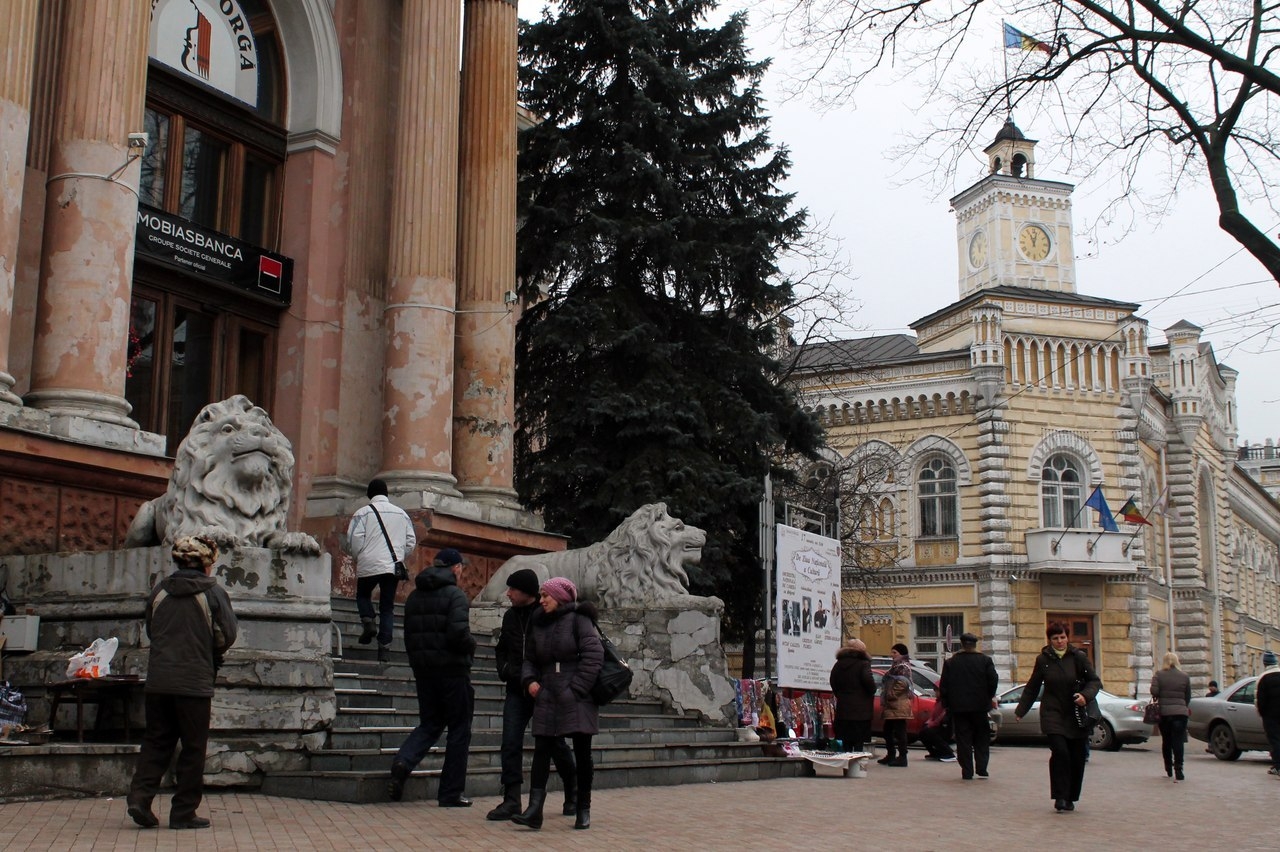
(653, 220)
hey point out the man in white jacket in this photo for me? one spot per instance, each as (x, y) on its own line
(375, 562)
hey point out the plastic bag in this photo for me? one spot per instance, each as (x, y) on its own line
(94, 661)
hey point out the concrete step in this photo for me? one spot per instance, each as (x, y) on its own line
(382, 737)
(355, 786)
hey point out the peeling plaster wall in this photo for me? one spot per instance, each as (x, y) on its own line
(274, 699)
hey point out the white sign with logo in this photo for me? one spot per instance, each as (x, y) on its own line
(807, 608)
(208, 40)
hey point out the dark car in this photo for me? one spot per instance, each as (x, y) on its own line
(1229, 721)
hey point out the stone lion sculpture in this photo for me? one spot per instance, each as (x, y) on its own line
(231, 482)
(640, 563)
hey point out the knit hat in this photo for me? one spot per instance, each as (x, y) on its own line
(447, 558)
(1268, 658)
(561, 589)
(968, 640)
(525, 580)
(856, 645)
(902, 649)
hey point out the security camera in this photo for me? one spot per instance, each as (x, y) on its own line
(509, 297)
(138, 140)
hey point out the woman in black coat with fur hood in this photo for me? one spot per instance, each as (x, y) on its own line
(561, 665)
(855, 689)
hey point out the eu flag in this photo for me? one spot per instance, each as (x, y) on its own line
(1098, 502)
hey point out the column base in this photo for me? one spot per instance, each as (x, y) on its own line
(89, 405)
(6, 389)
(406, 484)
(502, 498)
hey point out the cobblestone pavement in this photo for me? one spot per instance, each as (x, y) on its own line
(1128, 804)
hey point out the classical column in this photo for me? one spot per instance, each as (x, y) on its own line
(418, 392)
(86, 267)
(484, 406)
(17, 36)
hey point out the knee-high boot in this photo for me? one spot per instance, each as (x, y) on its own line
(532, 816)
(570, 795)
(584, 810)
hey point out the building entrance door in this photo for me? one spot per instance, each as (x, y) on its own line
(1080, 629)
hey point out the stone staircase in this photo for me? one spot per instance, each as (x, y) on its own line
(639, 743)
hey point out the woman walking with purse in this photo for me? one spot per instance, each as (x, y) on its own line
(560, 667)
(1171, 690)
(1069, 682)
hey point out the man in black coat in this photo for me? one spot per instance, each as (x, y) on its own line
(517, 708)
(968, 691)
(1268, 704)
(437, 635)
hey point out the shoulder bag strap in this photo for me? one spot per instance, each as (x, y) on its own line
(385, 537)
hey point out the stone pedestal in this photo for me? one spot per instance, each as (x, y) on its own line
(274, 698)
(675, 653)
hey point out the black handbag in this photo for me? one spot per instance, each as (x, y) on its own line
(1151, 713)
(615, 675)
(1089, 714)
(402, 573)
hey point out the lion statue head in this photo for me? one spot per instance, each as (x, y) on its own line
(231, 482)
(641, 563)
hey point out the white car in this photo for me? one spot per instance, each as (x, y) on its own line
(1121, 720)
(1229, 721)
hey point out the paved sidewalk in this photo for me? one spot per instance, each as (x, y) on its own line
(1127, 804)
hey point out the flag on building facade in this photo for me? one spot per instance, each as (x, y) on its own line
(1016, 39)
(1161, 507)
(1129, 511)
(1099, 503)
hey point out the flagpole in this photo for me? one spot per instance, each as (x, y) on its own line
(1008, 98)
(1054, 547)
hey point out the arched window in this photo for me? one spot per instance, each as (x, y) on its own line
(1061, 491)
(937, 496)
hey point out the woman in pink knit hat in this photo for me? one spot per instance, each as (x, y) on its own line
(560, 667)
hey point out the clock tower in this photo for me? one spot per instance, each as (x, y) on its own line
(1013, 229)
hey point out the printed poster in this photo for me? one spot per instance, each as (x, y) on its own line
(807, 608)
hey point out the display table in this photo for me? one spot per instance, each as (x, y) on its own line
(842, 764)
(95, 690)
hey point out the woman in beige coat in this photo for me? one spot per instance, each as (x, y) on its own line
(896, 705)
(1171, 689)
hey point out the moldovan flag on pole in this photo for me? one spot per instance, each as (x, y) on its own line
(1016, 39)
(1098, 502)
(1129, 511)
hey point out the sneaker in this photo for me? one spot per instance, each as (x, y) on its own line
(1275, 770)
(947, 759)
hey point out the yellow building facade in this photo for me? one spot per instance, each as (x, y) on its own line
(966, 455)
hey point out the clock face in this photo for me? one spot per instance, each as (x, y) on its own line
(978, 250)
(1034, 242)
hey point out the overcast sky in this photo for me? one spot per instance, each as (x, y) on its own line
(900, 243)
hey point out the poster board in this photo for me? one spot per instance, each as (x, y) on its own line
(807, 608)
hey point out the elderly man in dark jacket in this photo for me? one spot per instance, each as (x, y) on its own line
(517, 709)
(437, 635)
(968, 691)
(191, 625)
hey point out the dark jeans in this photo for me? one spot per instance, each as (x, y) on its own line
(1173, 735)
(541, 770)
(1272, 727)
(172, 719)
(854, 734)
(895, 735)
(386, 586)
(444, 701)
(937, 741)
(973, 741)
(1066, 766)
(517, 710)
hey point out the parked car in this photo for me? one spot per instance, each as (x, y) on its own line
(1121, 720)
(925, 697)
(1229, 721)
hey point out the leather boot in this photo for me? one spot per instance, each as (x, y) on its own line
(384, 653)
(369, 630)
(532, 816)
(510, 804)
(584, 811)
(570, 796)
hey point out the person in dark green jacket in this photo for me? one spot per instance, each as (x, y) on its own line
(191, 625)
(1068, 681)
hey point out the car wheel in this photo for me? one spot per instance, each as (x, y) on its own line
(1222, 742)
(1104, 737)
